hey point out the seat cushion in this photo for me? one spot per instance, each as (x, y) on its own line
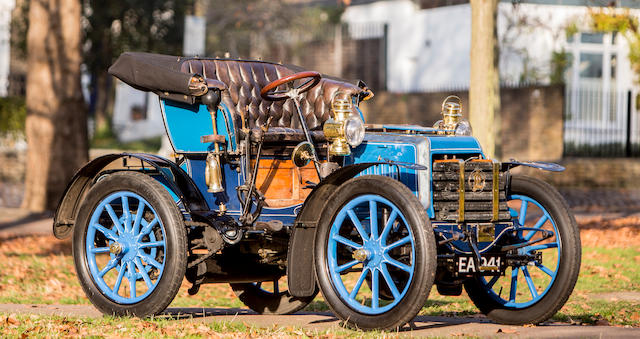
(245, 79)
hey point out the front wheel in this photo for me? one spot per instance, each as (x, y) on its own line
(129, 245)
(374, 229)
(532, 292)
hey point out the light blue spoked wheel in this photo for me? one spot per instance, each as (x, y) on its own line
(374, 230)
(129, 245)
(532, 292)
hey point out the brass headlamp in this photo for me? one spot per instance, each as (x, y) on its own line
(451, 122)
(334, 128)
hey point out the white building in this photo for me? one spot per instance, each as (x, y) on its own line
(428, 49)
(6, 6)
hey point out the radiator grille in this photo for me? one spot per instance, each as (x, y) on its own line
(469, 195)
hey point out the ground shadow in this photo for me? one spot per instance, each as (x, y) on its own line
(25, 219)
(418, 323)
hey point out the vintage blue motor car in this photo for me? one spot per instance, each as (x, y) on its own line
(279, 188)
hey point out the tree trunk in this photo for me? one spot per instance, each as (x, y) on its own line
(484, 89)
(56, 124)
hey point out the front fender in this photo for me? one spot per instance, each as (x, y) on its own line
(300, 275)
(175, 179)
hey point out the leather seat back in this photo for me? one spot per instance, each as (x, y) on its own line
(245, 79)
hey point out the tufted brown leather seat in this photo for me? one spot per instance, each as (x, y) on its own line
(245, 79)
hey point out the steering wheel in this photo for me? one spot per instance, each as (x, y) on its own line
(268, 92)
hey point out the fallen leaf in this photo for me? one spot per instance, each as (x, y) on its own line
(12, 321)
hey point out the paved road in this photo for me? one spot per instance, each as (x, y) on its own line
(422, 326)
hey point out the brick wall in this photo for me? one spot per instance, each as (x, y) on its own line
(531, 117)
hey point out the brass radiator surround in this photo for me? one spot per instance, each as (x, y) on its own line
(470, 190)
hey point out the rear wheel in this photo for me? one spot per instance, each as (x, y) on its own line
(374, 229)
(270, 297)
(129, 245)
(533, 293)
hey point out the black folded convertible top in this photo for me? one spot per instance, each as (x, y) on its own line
(152, 72)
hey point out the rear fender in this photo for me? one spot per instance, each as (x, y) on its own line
(177, 182)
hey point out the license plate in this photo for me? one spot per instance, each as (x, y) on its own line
(490, 265)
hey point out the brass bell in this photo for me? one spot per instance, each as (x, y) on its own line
(213, 174)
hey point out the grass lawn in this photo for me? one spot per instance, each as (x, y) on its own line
(39, 270)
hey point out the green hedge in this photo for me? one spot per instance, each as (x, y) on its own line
(13, 113)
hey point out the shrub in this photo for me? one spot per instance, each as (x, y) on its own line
(13, 113)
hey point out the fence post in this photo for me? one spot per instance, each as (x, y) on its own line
(628, 139)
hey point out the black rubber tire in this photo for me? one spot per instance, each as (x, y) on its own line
(264, 302)
(568, 270)
(175, 236)
(425, 252)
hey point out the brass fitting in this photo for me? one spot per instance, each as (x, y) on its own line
(213, 174)
(451, 115)
(334, 127)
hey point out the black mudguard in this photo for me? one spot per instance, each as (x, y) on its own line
(300, 273)
(176, 179)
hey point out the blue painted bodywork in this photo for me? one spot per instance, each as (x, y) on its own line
(185, 124)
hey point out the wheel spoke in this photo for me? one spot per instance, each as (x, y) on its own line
(116, 287)
(114, 218)
(139, 214)
(390, 283)
(143, 272)
(530, 284)
(375, 289)
(110, 265)
(493, 281)
(398, 243)
(523, 212)
(542, 246)
(373, 218)
(346, 266)
(514, 284)
(276, 288)
(100, 250)
(107, 232)
(356, 288)
(132, 279)
(145, 230)
(398, 264)
(346, 241)
(357, 224)
(388, 226)
(538, 224)
(151, 244)
(126, 213)
(544, 269)
(150, 260)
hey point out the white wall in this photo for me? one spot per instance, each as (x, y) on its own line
(429, 49)
(6, 6)
(129, 130)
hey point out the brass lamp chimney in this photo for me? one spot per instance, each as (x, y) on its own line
(334, 127)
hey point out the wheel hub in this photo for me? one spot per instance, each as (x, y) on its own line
(115, 248)
(361, 254)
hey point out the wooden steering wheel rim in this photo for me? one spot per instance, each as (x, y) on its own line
(264, 93)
